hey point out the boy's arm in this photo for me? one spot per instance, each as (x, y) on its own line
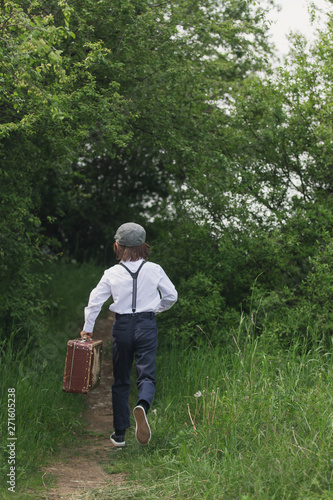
(168, 292)
(97, 297)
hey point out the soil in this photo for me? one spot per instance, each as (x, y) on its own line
(83, 469)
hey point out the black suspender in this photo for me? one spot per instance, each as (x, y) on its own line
(135, 280)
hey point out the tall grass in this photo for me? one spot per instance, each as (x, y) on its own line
(45, 417)
(252, 421)
(255, 422)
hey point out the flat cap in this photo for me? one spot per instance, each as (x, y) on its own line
(130, 235)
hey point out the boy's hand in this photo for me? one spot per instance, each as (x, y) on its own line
(85, 335)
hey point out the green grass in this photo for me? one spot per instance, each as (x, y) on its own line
(45, 417)
(253, 423)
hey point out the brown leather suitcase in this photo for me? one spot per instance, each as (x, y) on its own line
(83, 365)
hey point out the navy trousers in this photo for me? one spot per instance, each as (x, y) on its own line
(133, 336)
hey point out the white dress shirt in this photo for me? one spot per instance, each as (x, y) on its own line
(155, 291)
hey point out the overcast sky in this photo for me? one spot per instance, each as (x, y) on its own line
(293, 16)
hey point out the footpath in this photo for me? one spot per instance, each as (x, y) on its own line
(81, 470)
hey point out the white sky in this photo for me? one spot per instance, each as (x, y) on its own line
(294, 16)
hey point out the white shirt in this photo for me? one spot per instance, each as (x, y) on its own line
(155, 291)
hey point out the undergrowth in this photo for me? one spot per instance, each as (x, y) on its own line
(44, 418)
(251, 420)
(253, 423)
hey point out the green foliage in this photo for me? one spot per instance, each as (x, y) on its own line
(42, 91)
(263, 195)
(303, 311)
(20, 243)
(168, 64)
(157, 112)
(103, 107)
(254, 422)
(46, 417)
(196, 317)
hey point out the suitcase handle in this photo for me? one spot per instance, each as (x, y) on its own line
(84, 338)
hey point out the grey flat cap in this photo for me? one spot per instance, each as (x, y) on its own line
(130, 235)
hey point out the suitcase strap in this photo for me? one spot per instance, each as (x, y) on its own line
(135, 280)
(70, 378)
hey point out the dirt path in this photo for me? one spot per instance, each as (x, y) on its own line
(81, 469)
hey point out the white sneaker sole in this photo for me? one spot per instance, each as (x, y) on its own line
(142, 430)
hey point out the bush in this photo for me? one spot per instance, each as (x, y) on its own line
(197, 316)
(305, 310)
(45, 416)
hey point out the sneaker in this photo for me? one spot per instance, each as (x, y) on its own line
(118, 441)
(142, 430)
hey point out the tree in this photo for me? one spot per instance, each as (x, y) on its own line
(109, 110)
(173, 63)
(266, 200)
(48, 110)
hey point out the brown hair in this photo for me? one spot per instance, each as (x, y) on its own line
(131, 253)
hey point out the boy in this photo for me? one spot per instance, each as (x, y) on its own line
(139, 289)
